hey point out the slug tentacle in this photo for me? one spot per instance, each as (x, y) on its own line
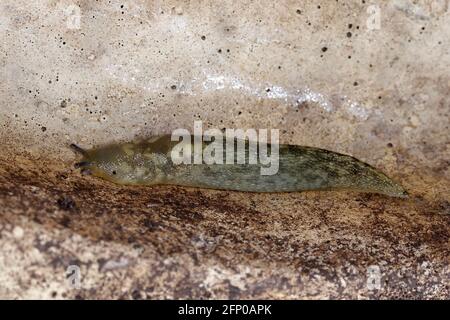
(82, 164)
(86, 171)
(300, 169)
(78, 149)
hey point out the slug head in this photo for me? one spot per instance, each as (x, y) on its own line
(122, 164)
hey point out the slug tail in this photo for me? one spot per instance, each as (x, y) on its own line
(319, 169)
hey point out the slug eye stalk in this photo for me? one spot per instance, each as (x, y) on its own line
(82, 164)
(78, 149)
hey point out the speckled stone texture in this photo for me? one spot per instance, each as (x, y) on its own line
(323, 72)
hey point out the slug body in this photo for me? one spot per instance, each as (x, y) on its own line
(301, 168)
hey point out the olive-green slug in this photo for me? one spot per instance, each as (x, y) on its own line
(149, 162)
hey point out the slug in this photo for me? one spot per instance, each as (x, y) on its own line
(301, 168)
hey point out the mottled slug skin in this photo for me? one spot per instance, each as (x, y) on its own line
(301, 168)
